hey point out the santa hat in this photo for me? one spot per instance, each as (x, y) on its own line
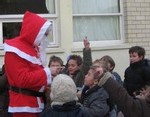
(32, 31)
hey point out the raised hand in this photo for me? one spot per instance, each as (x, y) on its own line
(86, 43)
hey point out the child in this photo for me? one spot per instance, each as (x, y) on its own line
(64, 99)
(56, 61)
(93, 97)
(76, 68)
(137, 74)
(111, 65)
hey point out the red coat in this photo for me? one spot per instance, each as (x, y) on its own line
(23, 66)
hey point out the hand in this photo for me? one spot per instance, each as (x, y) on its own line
(54, 71)
(79, 94)
(86, 43)
(143, 91)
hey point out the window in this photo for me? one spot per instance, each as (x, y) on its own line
(100, 20)
(11, 14)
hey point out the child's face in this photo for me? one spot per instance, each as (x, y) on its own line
(134, 57)
(56, 64)
(72, 66)
(89, 78)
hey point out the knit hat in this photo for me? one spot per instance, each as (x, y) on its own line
(63, 90)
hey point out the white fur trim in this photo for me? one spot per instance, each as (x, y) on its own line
(41, 105)
(48, 73)
(22, 54)
(25, 109)
(42, 32)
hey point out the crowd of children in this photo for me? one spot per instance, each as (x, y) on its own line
(81, 88)
(95, 100)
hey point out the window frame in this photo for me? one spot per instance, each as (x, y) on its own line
(19, 17)
(109, 42)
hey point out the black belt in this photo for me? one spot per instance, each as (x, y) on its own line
(27, 92)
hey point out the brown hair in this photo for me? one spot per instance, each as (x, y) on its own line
(137, 49)
(55, 59)
(99, 63)
(109, 60)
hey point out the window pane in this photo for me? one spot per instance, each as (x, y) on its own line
(96, 28)
(95, 6)
(20, 6)
(11, 30)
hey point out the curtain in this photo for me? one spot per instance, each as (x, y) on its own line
(96, 28)
(50, 4)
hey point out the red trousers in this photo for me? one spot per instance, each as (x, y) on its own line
(25, 115)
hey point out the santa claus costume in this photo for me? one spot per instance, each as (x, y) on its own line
(25, 68)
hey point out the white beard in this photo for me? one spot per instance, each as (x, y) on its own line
(42, 50)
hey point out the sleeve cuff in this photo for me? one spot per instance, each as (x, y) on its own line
(48, 74)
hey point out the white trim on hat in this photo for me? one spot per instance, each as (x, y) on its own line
(42, 32)
(22, 54)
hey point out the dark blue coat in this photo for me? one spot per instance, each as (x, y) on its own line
(66, 110)
(95, 102)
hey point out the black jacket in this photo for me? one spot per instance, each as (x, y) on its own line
(70, 109)
(137, 75)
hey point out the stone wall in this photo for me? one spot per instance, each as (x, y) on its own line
(137, 23)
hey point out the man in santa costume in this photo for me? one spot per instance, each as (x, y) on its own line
(25, 65)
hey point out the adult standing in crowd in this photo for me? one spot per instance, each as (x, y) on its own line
(130, 107)
(25, 61)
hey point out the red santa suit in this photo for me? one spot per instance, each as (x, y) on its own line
(23, 66)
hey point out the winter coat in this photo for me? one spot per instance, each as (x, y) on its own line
(23, 66)
(70, 109)
(131, 107)
(137, 75)
(95, 102)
